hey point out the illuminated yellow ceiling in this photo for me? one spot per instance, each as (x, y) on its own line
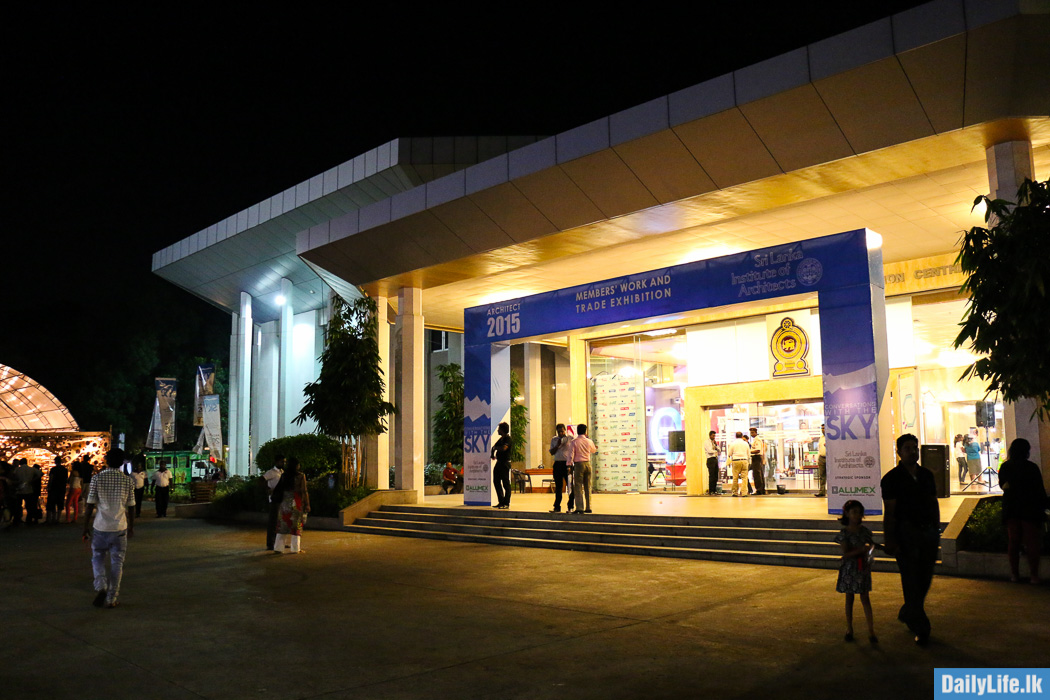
(917, 195)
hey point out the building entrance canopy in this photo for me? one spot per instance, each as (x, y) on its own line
(844, 269)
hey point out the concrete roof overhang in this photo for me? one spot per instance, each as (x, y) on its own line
(883, 127)
(254, 249)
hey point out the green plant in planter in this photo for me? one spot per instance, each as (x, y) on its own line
(984, 531)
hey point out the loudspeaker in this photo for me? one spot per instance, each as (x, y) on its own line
(935, 458)
(676, 441)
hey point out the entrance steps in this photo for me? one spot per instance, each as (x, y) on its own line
(778, 542)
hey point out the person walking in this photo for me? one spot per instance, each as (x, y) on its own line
(739, 454)
(138, 475)
(580, 457)
(22, 483)
(711, 452)
(911, 522)
(501, 471)
(854, 578)
(56, 490)
(295, 506)
(561, 448)
(73, 489)
(162, 483)
(112, 493)
(1024, 508)
(273, 478)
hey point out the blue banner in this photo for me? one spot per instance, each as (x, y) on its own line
(819, 264)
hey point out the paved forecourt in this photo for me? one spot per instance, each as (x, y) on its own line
(205, 613)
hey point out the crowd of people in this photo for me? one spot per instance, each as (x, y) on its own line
(56, 494)
(31, 493)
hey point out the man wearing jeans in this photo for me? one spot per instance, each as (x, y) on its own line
(113, 494)
(561, 448)
(580, 456)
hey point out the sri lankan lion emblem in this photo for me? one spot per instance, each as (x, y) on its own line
(789, 346)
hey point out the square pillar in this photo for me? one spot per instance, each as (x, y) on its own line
(376, 448)
(534, 439)
(1009, 164)
(409, 473)
(579, 387)
(265, 385)
(239, 462)
(286, 409)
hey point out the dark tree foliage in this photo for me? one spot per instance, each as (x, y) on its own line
(346, 401)
(1009, 276)
(447, 439)
(317, 454)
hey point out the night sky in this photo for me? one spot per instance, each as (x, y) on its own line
(134, 129)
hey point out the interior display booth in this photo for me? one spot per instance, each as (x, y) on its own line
(843, 270)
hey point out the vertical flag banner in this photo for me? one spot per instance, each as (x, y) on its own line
(213, 424)
(166, 392)
(203, 386)
(155, 439)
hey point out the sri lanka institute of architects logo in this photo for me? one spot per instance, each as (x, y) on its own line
(809, 271)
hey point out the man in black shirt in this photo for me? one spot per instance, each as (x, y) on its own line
(912, 527)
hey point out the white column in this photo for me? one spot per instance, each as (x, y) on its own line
(285, 406)
(409, 473)
(578, 385)
(234, 392)
(562, 382)
(265, 383)
(534, 442)
(239, 465)
(377, 447)
(1008, 165)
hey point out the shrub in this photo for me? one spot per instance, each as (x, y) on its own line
(241, 493)
(326, 502)
(984, 531)
(431, 475)
(317, 454)
(250, 494)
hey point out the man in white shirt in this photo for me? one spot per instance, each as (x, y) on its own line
(580, 458)
(561, 448)
(711, 452)
(139, 477)
(758, 462)
(739, 454)
(113, 494)
(162, 480)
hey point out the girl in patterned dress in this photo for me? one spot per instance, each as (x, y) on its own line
(855, 565)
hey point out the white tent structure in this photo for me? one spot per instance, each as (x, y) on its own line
(25, 404)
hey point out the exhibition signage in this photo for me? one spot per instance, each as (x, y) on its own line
(844, 271)
(203, 386)
(166, 393)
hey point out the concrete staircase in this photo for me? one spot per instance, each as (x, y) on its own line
(784, 542)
